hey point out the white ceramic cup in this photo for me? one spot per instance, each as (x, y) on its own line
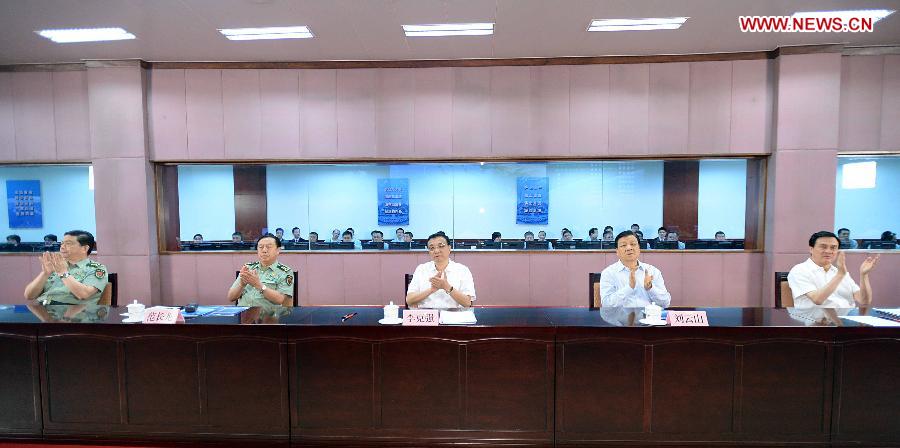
(391, 311)
(135, 310)
(653, 312)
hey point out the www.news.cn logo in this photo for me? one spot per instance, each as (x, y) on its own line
(790, 24)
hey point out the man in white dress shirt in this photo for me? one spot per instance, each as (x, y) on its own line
(441, 283)
(822, 280)
(630, 282)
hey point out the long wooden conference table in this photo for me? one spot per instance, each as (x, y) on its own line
(520, 376)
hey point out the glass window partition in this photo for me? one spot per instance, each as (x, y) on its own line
(553, 205)
(865, 213)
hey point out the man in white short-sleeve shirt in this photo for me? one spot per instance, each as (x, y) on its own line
(823, 280)
(441, 283)
(629, 282)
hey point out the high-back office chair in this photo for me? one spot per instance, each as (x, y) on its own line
(783, 296)
(594, 291)
(296, 289)
(110, 294)
(407, 279)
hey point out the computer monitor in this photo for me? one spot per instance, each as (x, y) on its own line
(465, 244)
(588, 244)
(608, 245)
(398, 245)
(518, 245)
(537, 245)
(560, 244)
(699, 244)
(418, 244)
(489, 244)
(296, 246)
(881, 245)
(372, 245)
(6, 247)
(668, 245)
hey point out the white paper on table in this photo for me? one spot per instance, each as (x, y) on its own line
(466, 317)
(873, 321)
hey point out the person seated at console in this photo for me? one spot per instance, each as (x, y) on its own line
(13, 240)
(279, 232)
(69, 276)
(542, 236)
(673, 237)
(295, 233)
(347, 237)
(50, 240)
(198, 238)
(529, 236)
(567, 235)
(236, 237)
(823, 280)
(630, 282)
(378, 237)
(313, 237)
(399, 232)
(720, 236)
(844, 237)
(593, 234)
(335, 236)
(266, 281)
(890, 237)
(441, 282)
(635, 228)
(608, 236)
(407, 237)
(496, 237)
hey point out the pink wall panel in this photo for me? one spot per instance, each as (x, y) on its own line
(123, 185)
(667, 121)
(547, 285)
(70, 114)
(241, 113)
(15, 273)
(327, 288)
(710, 116)
(701, 279)
(7, 120)
(511, 125)
(741, 279)
(433, 112)
(318, 113)
(861, 92)
(471, 118)
(890, 104)
(362, 279)
(298, 263)
(178, 280)
(215, 274)
(168, 115)
(799, 212)
(135, 281)
(751, 107)
(356, 93)
(394, 111)
(629, 97)
(672, 266)
(590, 104)
(279, 92)
(550, 109)
(499, 287)
(203, 106)
(885, 283)
(578, 266)
(393, 269)
(33, 105)
(117, 108)
(809, 88)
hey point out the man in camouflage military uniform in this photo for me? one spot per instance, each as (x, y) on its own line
(69, 276)
(266, 281)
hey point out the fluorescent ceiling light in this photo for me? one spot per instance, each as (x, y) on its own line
(858, 175)
(275, 32)
(86, 35)
(449, 29)
(874, 14)
(661, 23)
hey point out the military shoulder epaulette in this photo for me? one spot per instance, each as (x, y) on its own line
(252, 264)
(94, 264)
(285, 268)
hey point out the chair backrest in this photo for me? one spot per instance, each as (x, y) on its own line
(296, 298)
(594, 291)
(783, 296)
(407, 278)
(110, 295)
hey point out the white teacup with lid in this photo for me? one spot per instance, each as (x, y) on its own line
(135, 310)
(391, 312)
(653, 312)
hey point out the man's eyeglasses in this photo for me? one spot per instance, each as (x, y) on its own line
(437, 247)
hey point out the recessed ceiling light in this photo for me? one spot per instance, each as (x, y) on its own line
(275, 32)
(85, 35)
(874, 14)
(663, 23)
(449, 29)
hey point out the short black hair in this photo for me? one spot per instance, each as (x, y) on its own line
(350, 229)
(662, 228)
(821, 234)
(438, 235)
(315, 233)
(496, 235)
(84, 238)
(842, 229)
(636, 225)
(295, 228)
(593, 229)
(887, 235)
(529, 233)
(410, 234)
(237, 234)
(279, 229)
(720, 233)
(565, 231)
(346, 232)
(378, 232)
(269, 235)
(15, 237)
(399, 228)
(50, 237)
(197, 234)
(639, 234)
(610, 228)
(623, 234)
